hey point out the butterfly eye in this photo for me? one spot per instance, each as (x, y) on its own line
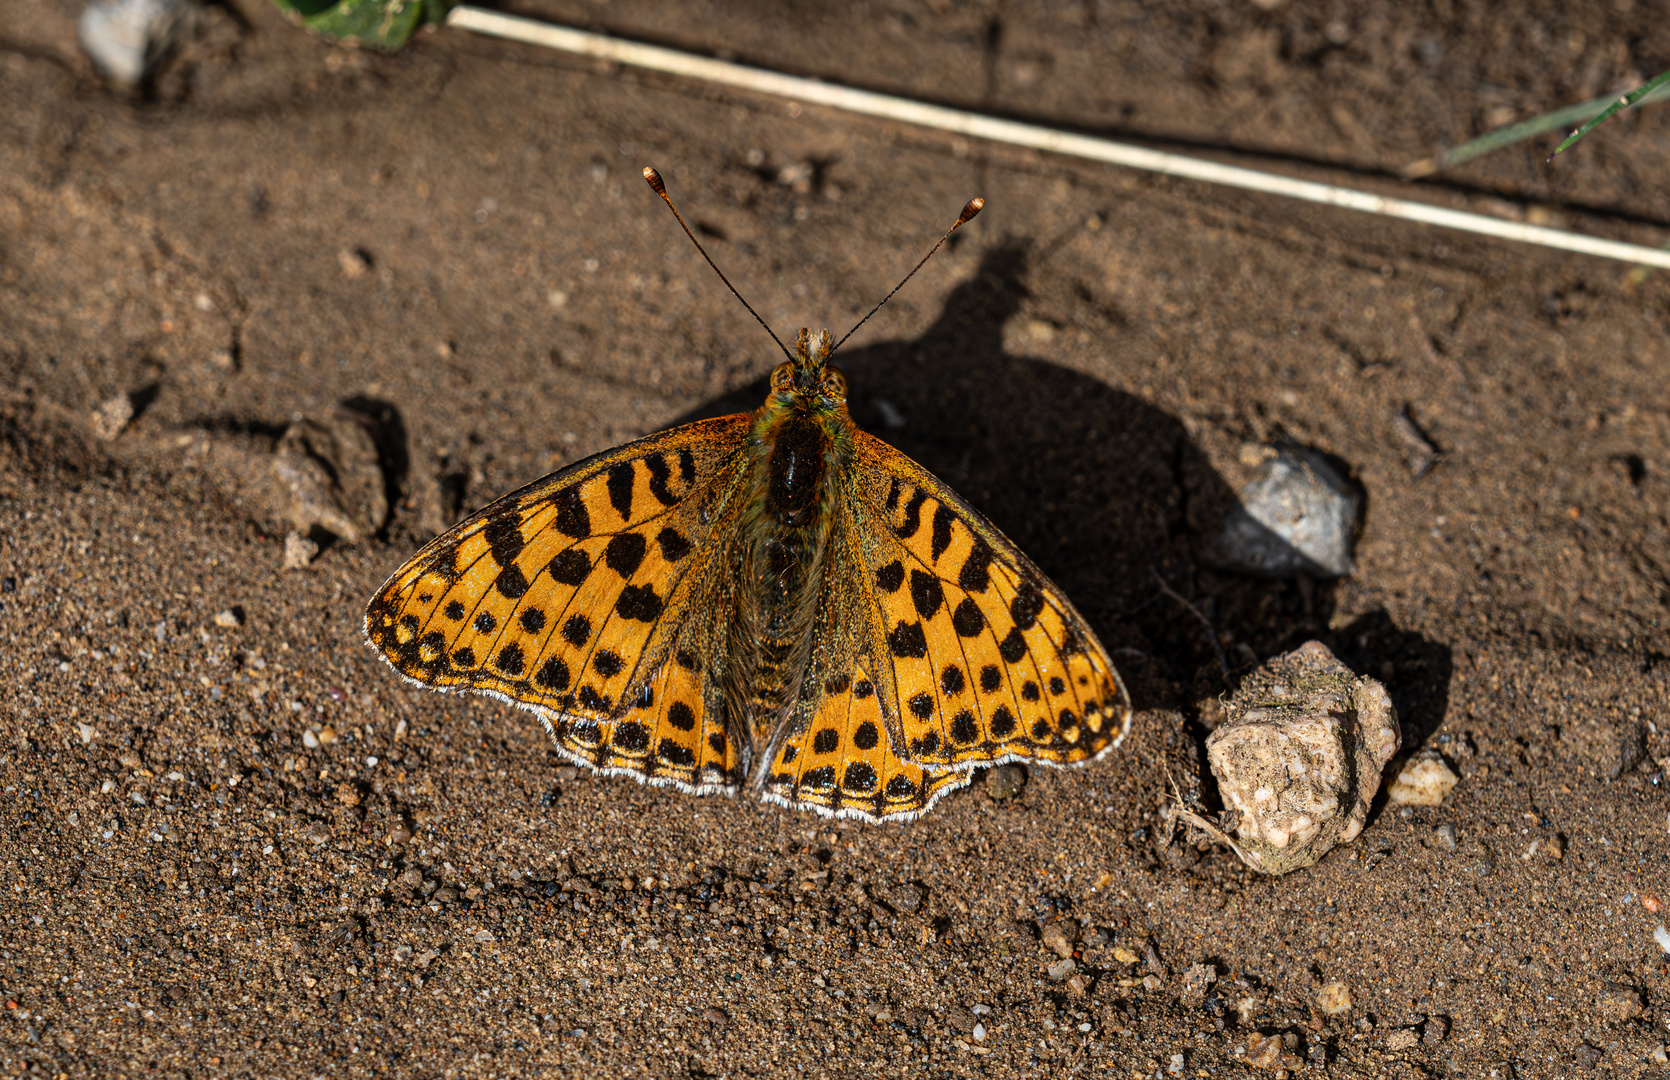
(782, 376)
(835, 384)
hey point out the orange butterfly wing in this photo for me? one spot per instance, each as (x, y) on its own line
(941, 648)
(587, 597)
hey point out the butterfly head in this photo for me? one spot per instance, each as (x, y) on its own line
(809, 381)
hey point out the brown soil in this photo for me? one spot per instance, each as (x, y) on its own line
(455, 241)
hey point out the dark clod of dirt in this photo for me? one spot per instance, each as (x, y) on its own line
(1005, 781)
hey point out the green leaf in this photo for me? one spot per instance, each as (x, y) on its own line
(1661, 79)
(375, 24)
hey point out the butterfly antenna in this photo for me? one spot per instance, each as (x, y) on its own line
(975, 205)
(654, 179)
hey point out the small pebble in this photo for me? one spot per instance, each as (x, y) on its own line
(310, 740)
(1618, 1001)
(1078, 984)
(1434, 1030)
(1424, 780)
(979, 1032)
(1402, 1039)
(906, 898)
(229, 619)
(298, 551)
(1059, 938)
(110, 419)
(1174, 1067)
(1125, 955)
(1005, 781)
(1446, 836)
(715, 1015)
(1334, 999)
(960, 1018)
(1061, 969)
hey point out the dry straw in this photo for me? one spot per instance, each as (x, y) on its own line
(813, 92)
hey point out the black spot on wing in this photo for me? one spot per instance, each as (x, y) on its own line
(975, 576)
(1013, 646)
(552, 675)
(926, 592)
(967, 619)
(825, 741)
(681, 716)
(620, 489)
(510, 582)
(510, 660)
(818, 778)
(572, 518)
(659, 474)
(632, 737)
(532, 619)
(673, 544)
(913, 515)
(990, 678)
(639, 602)
(504, 538)
(463, 658)
(951, 680)
(893, 495)
(963, 727)
(901, 787)
(607, 664)
(674, 754)
(941, 536)
(571, 567)
(577, 630)
(837, 685)
(890, 577)
(860, 777)
(484, 622)
(1028, 602)
(454, 610)
(1003, 722)
(907, 641)
(866, 737)
(625, 553)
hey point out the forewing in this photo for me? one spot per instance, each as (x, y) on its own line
(943, 649)
(583, 597)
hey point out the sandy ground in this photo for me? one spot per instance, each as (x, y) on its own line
(248, 849)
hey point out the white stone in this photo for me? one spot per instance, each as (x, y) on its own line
(126, 38)
(1424, 780)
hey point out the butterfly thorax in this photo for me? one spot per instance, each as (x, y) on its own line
(801, 446)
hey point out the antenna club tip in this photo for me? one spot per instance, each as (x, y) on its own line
(975, 205)
(654, 179)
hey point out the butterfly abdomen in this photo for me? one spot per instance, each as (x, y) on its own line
(779, 561)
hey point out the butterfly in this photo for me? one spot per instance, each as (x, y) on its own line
(774, 602)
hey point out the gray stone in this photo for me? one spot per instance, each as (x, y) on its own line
(125, 39)
(1297, 515)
